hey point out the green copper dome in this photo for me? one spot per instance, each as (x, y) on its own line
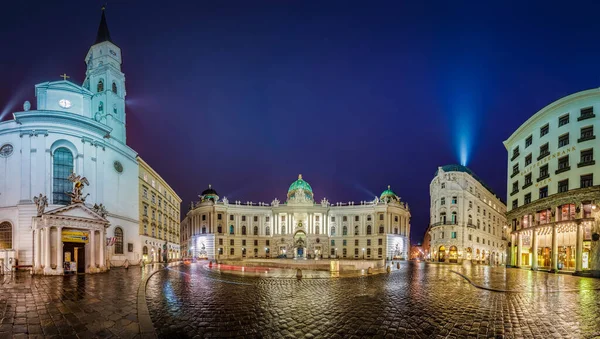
(300, 184)
(388, 194)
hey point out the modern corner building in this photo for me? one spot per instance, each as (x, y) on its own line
(68, 180)
(467, 219)
(553, 186)
(159, 216)
(298, 228)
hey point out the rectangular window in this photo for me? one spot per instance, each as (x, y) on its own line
(267, 219)
(515, 153)
(470, 237)
(543, 172)
(529, 141)
(515, 169)
(203, 217)
(332, 219)
(544, 151)
(587, 158)
(344, 242)
(243, 218)
(454, 200)
(470, 204)
(283, 218)
(587, 180)
(477, 239)
(563, 186)
(587, 133)
(515, 188)
(563, 140)
(381, 217)
(231, 242)
(219, 216)
(356, 218)
(515, 203)
(453, 235)
(380, 241)
(563, 120)
(544, 130)
(543, 192)
(368, 242)
(332, 242)
(220, 241)
(344, 218)
(268, 243)
(527, 199)
(528, 159)
(563, 163)
(243, 242)
(356, 251)
(231, 217)
(586, 113)
(255, 219)
(255, 242)
(527, 180)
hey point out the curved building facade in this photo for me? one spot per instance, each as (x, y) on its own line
(300, 227)
(467, 220)
(552, 186)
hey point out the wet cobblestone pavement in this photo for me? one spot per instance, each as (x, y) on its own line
(86, 306)
(419, 300)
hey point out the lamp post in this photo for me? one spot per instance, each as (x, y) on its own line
(363, 254)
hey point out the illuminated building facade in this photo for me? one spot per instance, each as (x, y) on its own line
(159, 216)
(297, 228)
(553, 186)
(467, 220)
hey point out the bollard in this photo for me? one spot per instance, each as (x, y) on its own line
(398, 265)
(388, 269)
(299, 273)
(370, 270)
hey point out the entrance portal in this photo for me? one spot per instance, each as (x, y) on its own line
(75, 252)
(300, 243)
(300, 252)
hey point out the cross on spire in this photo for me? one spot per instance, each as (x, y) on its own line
(64, 76)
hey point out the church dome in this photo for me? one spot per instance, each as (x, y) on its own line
(300, 190)
(209, 194)
(388, 195)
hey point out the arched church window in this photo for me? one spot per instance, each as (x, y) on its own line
(345, 230)
(100, 87)
(243, 230)
(255, 230)
(332, 230)
(381, 230)
(231, 229)
(369, 230)
(101, 107)
(62, 165)
(268, 231)
(6, 236)
(118, 240)
(355, 230)
(114, 87)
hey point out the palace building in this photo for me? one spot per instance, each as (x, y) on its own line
(467, 219)
(300, 227)
(553, 186)
(69, 181)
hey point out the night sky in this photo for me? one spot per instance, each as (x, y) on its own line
(245, 95)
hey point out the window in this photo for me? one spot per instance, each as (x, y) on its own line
(528, 159)
(529, 141)
(563, 120)
(219, 216)
(255, 230)
(515, 203)
(146, 210)
(6, 236)
(587, 158)
(544, 151)
(369, 229)
(356, 251)
(345, 230)
(381, 217)
(543, 192)
(255, 219)
(114, 87)
(563, 140)
(344, 242)
(470, 204)
(443, 201)
(587, 133)
(355, 242)
(544, 130)
(453, 235)
(368, 242)
(332, 219)
(100, 87)
(396, 230)
(527, 180)
(231, 229)
(203, 230)
(369, 218)
(332, 242)
(396, 219)
(243, 218)
(470, 237)
(267, 231)
(153, 231)
(454, 220)
(356, 218)
(145, 228)
(243, 230)
(231, 217)
(380, 241)
(317, 230)
(380, 251)
(203, 217)
(101, 107)
(515, 153)
(345, 252)
(563, 186)
(268, 244)
(62, 167)
(586, 113)
(587, 180)
(442, 235)
(332, 230)
(231, 242)
(543, 172)
(443, 185)
(527, 198)
(515, 169)
(443, 217)
(344, 218)
(316, 218)
(381, 230)
(515, 187)
(267, 219)
(232, 251)
(145, 250)
(219, 229)
(243, 242)
(454, 200)
(368, 251)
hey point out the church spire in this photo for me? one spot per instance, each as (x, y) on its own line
(103, 33)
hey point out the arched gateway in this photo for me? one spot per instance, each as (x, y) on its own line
(300, 244)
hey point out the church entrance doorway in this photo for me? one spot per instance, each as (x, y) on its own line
(75, 252)
(300, 244)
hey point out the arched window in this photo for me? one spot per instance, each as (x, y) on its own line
(255, 230)
(243, 230)
(145, 250)
(62, 168)
(454, 218)
(381, 230)
(6, 236)
(145, 228)
(100, 87)
(332, 230)
(118, 240)
(282, 229)
(219, 229)
(355, 230)
(443, 217)
(268, 231)
(114, 87)
(203, 230)
(345, 230)
(231, 229)
(101, 107)
(470, 220)
(317, 230)
(369, 230)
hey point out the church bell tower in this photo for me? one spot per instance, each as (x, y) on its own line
(105, 79)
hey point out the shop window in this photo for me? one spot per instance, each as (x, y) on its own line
(6, 233)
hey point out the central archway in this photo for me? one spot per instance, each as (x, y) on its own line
(300, 244)
(442, 253)
(453, 256)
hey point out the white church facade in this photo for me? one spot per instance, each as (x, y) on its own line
(299, 228)
(76, 135)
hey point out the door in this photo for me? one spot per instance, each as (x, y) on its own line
(80, 259)
(300, 252)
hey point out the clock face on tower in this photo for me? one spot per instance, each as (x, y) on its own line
(64, 103)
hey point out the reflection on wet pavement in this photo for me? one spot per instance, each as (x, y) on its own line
(419, 300)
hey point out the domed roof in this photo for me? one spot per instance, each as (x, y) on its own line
(209, 194)
(209, 191)
(300, 184)
(388, 194)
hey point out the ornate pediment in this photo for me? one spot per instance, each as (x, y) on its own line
(76, 212)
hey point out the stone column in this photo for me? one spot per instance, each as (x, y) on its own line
(579, 248)
(534, 249)
(554, 250)
(47, 253)
(101, 249)
(519, 248)
(59, 250)
(93, 251)
(38, 248)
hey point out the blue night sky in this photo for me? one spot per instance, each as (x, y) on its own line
(245, 95)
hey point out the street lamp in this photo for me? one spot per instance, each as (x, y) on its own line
(363, 253)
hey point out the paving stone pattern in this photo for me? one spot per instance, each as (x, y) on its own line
(419, 300)
(85, 306)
